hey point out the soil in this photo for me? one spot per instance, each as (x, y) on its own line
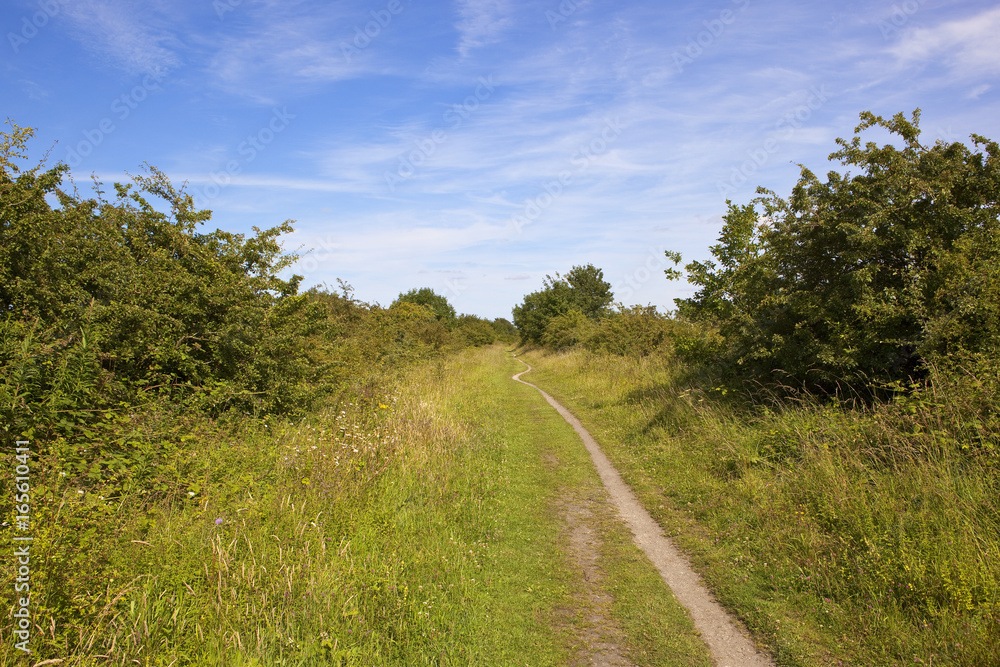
(601, 643)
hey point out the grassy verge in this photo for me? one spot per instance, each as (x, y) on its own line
(414, 525)
(656, 630)
(828, 531)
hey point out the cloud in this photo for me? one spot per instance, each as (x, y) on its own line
(978, 91)
(112, 31)
(277, 48)
(264, 181)
(33, 90)
(482, 23)
(257, 63)
(383, 241)
(968, 46)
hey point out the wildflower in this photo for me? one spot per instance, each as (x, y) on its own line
(218, 521)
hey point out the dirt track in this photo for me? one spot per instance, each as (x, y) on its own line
(725, 637)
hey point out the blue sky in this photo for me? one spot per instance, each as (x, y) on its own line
(474, 146)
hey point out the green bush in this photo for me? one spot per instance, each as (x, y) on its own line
(633, 331)
(583, 289)
(864, 278)
(568, 329)
(437, 304)
(474, 331)
(143, 293)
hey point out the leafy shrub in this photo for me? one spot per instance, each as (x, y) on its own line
(473, 331)
(634, 331)
(865, 277)
(425, 296)
(506, 331)
(568, 329)
(154, 300)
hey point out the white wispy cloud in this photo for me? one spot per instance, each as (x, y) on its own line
(280, 48)
(481, 23)
(265, 181)
(979, 91)
(969, 46)
(131, 39)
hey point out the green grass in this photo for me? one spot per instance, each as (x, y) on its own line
(416, 525)
(838, 536)
(657, 629)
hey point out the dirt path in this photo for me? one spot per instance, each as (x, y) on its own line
(602, 641)
(726, 639)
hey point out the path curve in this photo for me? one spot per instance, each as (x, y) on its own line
(728, 642)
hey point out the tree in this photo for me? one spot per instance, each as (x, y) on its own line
(534, 313)
(583, 289)
(590, 293)
(872, 274)
(425, 296)
(474, 331)
(506, 331)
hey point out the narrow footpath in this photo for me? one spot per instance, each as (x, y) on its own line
(727, 640)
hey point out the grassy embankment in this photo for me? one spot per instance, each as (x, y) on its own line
(839, 536)
(415, 526)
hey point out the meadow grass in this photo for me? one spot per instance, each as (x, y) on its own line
(414, 524)
(839, 536)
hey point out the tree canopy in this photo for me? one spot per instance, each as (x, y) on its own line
(582, 289)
